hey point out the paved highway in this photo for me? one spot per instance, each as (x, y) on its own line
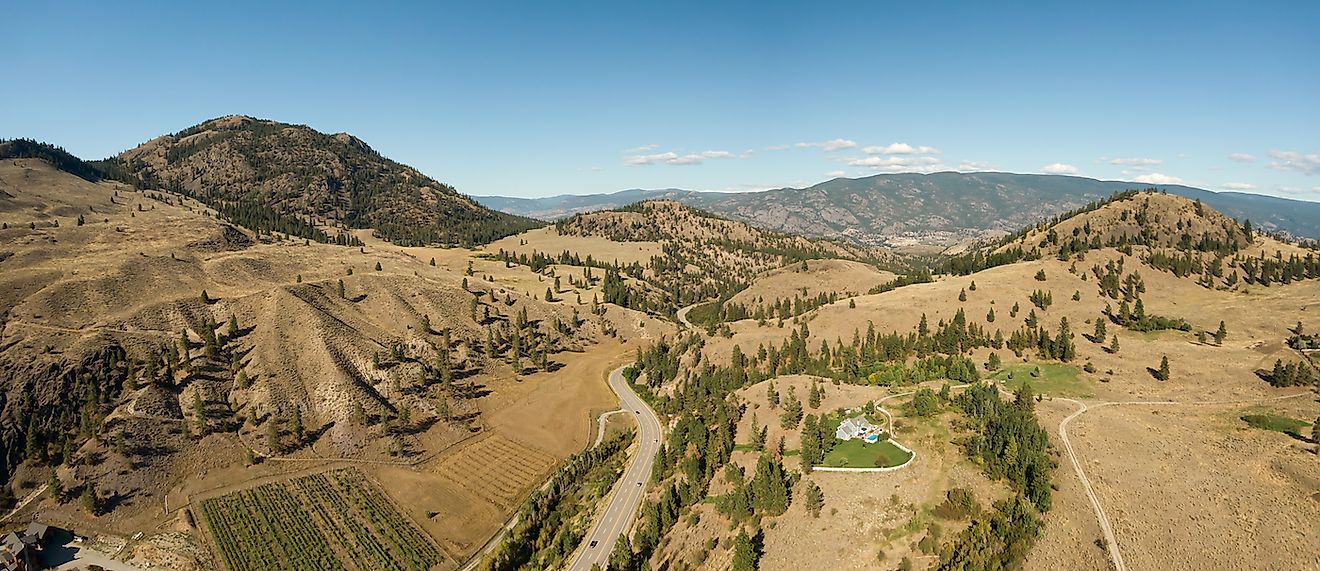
(630, 488)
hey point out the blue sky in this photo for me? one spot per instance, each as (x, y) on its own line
(532, 99)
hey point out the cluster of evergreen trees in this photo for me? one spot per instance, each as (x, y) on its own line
(721, 311)
(1012, 445)
(262, 219)
(1289, 374)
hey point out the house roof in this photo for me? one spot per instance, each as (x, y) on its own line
(38, 530)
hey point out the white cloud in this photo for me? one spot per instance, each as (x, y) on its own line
(974, 166)
(835, 174)
(642, 149)
(1059, 168)
(779, 147)
(831, 145)
(1137, 162)
(686, 160)
(1238, 186)
(896, 163)
(1305, 163)
(1242, 157)
(672, 158)
(650, 159)
(899, 149)
(1157, 178)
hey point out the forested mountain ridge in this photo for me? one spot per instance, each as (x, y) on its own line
(942, 207)
(278, 175)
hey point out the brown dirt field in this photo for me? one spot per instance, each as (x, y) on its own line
(1186, 487)
(548, 241)
(822, 276)
(495, 468)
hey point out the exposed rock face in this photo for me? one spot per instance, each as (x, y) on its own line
(43, 391)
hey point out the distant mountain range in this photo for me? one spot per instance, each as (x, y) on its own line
(937, 208)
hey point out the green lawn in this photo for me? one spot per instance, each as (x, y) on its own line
(858, 454)
(1289, 426)
(1055, 379)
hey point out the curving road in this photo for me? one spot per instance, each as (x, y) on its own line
(630, 488)
(682, 315)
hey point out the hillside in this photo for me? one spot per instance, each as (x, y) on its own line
(704, 256)
(149, 349)
(1147, 380)
(937, 208)
(290, 178)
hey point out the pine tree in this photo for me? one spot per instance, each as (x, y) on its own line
(1113, 344)
(744, 554)
(993, 363)
(273, 437)
(233, 327)
(340, 290)
(962, 295)
(1100, 332)
(990, 316)
(297, 426)
(205, 298)
(378, 268)
(91, 500)
(815, 499)
(1164, 368)
(772, 395)
(199, 412)
(1220, 334)
(813, 400)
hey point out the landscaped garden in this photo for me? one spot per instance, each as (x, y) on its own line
(856, 453)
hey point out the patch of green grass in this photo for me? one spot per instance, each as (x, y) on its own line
(1054, 379)
(858, 454)
(1277, 423)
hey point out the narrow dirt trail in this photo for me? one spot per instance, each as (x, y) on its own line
(1106, 527)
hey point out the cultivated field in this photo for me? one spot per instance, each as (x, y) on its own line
(497, 469)
(336, 520)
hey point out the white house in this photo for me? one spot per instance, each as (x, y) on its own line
(855, 427)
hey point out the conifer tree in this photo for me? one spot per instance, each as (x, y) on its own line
(1221, 333)
(1164, 368)
(1113, 344)
(815, 499)
(744, 554)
